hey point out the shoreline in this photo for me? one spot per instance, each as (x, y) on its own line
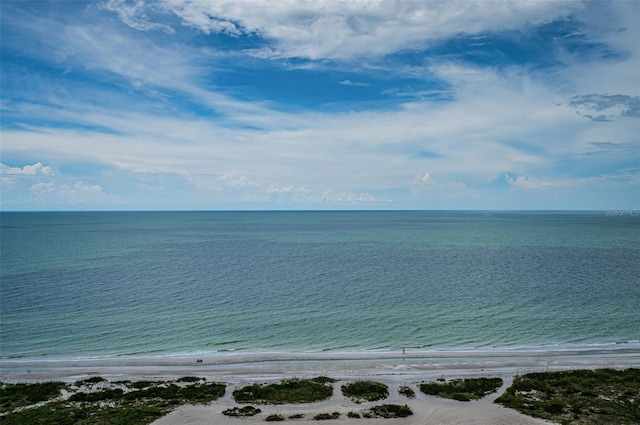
(252, 367)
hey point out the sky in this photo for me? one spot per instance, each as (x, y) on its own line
(312, 105)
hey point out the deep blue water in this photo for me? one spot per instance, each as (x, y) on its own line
(153, 283)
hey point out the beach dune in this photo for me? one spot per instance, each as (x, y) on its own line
(426, 411)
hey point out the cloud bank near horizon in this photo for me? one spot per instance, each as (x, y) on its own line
(320, 105)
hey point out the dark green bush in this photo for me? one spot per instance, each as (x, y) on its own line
(360, 391)
(92, 380)
(106, 394)
(290, 391)
(17, 395)
(57, 413)
(144, 384)
(242, 411)
(462, 389)
(577, 396)
(274, 418)
(391, 411)
(191, 379)
(326, 416)
(407, 392)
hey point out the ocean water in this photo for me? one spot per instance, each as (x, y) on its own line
(100, 284)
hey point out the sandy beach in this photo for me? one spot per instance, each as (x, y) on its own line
(392, 368)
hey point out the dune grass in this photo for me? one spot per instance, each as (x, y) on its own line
(462, 389)
(242, 411)
(128, 404)
(13, 396)
(285, 392)
(389, 411)
(406, 391)
(578, 396)
(361, 391)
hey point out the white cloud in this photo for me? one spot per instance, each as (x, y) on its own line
(425, 179)
(606, 182)
(525, 183)
(74, 193)
(134, 14)
(332, 196)
(274, 189)
(43, 187)
(346, 29)
(28, 170)
(354, 84)
(235, 179)
(425, 183)
(494, 120)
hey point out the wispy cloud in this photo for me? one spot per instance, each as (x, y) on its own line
(329, 29)
(352, 83)
(312, 104)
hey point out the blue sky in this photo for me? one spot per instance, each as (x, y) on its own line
(177, 104)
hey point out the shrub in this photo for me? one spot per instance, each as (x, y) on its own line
(92, 380)
(462, 389)
(144, 384)
(323, 380)
(61, 414)
(106, 394)
(577, 396)
(325, 416)
(407, 392)
(191, 379)
(365, 391)
(289, 391)
(274, 418)
(242, 411)
(17, 395)
(391, 411)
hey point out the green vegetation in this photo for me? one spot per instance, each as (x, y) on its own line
(389, 411)
(360, 391)
(289, 391)
(462, 389)
(191, 379)
(407, 392)
(81, 414)
(106, 394)
(194, 393)
(13, 396)
(136, 404)
(90, 381)
(577, 396)
(274, 418)
(145, 384)
(296, 416)
(242, 411)
(354, 415)
(325, 416)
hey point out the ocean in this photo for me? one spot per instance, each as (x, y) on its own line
(80, 285)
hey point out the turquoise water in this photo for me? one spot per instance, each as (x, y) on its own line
(80, 285)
